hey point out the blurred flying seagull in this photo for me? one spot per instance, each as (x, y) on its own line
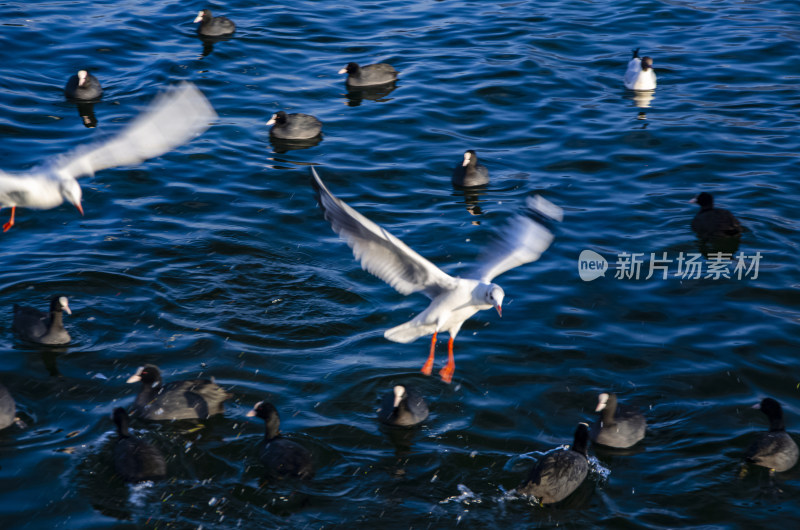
(173, 118)
(453, 299)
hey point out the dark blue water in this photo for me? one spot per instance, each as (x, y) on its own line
(214, 260)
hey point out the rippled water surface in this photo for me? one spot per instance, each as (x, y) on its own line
(214, 260)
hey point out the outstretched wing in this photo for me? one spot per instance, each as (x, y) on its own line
(521, 241)
(172, 119)
(379, 252)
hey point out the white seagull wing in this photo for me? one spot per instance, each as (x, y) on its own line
(379, 252)
(521, 241)
(633, 71)
(172, 119)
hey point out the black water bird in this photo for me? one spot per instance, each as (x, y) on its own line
(470, 172)
(560, 471)
(8, 408)
(281, 457)
(294, 126)
(403, 407)
(179, 400)
(211, 26)
(774, 449)
(619, 425)
(371, 74)
(36, 326)
(84, 86)
(714, 223)
(135, 460)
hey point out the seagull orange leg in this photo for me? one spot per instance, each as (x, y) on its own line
(427, 368)
(10, 222)
(448, 371)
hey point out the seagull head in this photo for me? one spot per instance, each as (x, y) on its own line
(494, 297)
(647, 63)
(71, 191)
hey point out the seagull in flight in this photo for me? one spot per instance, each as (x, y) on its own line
(453, 299)
(173, 118)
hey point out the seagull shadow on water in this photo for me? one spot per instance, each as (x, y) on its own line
(453, 299)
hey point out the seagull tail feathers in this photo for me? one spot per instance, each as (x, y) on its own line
(409, 332)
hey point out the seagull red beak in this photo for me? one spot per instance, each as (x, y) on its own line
(499, 310)
(79, 207)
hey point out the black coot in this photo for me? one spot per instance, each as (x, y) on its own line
(470, 172)
(36, 326)
(372, 74)
(774, 449)
(8, 408)
(134, 459)
(211, 26)
(282, 457)
(178, 400)
(714, 223)
(294, 126)
(403, 407)
(619, 425)
(83, 85)
(559, 472)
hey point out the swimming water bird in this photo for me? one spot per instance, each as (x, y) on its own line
(560, 471)
(178, 400)
(372, 74)
(640, 74)
(281, 457)
(714, 223)
(294, 126)
(619, 425)
(83, 85)
(774, 449)
(470, 172)
(211, 26)
(40, 327)
(174, 117)
(8, 408)
(453, 299)
(134, 459)
(403, 406)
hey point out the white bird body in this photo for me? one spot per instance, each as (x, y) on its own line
(447, 312)
(640, 74)
(453, 299)
(172, 119)
(39, 190)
